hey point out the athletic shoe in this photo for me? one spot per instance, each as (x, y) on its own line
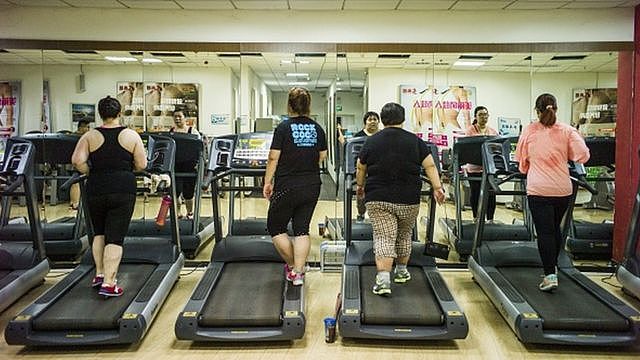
(402, 276)
(97, 280)
(110, 291)
(189, 216)
(381, 288)
(549, 283)
(296, 278)
(288, 271)
(360, 218)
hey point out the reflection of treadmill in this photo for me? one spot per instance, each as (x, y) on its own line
(360, 230)
(243, 295)
(72, 312)
(579, 312)
(197, 232)
(595, 240)
(23, 265)
(64, 238)
(629, 271)
(421, 309)
(466, 150)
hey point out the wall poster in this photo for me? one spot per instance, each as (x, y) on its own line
(593, 111)
(131, 97)
(9, 111)
(438, 114)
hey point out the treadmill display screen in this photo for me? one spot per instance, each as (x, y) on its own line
(252, 149)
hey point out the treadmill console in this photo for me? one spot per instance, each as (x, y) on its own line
(242, 151)
(16, 157)
(351, 151)
(161, 154)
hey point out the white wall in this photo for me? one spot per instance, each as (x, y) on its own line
(318, 99)
(505, 94)
(252, 87)
(498, 26)
(351, 113)
(215, 89)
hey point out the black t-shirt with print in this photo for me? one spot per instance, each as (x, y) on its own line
(393, 157)
(300, 141)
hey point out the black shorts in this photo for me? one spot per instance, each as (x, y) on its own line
(295, 205)
(111, 215)
(186, 186)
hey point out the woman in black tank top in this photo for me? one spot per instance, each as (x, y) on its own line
(109, 154)
(185, 187)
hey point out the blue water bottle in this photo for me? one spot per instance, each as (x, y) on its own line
(329, 329)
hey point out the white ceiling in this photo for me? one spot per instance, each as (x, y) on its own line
(350, 68)
(410, 5)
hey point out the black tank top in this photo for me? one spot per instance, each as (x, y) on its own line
(111, 166)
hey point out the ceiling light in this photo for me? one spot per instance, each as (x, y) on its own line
(286, 61)
(297, 74)
(468, 63)
(120, 58)
(300, 83)
(338, 89)
(304, 61)
(151, 60)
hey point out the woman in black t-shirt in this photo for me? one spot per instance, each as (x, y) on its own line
(390, 162)
(370, 121)
(299, 144)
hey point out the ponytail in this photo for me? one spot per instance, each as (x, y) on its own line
(546, 106)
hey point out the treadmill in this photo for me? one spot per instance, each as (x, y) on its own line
(628, 273)
(195, 233)
(466, 150)
(335, 226)
(64, 238)
(243, 294)
(589, 240)
(421, 309)
(72, 312)
(23, 265)
(579, 312)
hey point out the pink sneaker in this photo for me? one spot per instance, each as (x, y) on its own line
(110, 291)
(288, 271)
(296, 278)
(97, 280)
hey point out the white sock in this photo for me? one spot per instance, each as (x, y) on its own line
(384, 277)
(400, 268)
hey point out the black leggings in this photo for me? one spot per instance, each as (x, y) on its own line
(185, 185)
(474, 198)
(547, 213)
(295, 204)
(111, 215)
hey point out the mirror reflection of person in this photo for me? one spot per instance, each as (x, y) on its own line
(74, 192)
(6, 92)
(480, 127)
(371, 122)
(185, 187)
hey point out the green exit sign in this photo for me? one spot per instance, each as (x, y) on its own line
(338, 107)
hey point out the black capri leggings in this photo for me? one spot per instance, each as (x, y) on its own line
(185, 185)
(295, 204)
(111, 215)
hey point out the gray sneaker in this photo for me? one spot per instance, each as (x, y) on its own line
(402, 276)
(381, 288)
(549, 283)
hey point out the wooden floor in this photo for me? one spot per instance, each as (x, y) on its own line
(489, 336)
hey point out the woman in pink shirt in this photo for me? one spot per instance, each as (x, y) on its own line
(543, 151)
(479, 127)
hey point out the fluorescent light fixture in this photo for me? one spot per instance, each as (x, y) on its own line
(151, 60)
(301, 83)
(304, 62)
(338, 89)
(468, 63)
(297, 74)
(120, 58)
(286, 61)
(339, 83)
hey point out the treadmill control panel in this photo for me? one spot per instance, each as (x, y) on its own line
(16, 157)
(244, 151)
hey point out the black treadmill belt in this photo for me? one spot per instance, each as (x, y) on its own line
(496, 231)
(247, 294)
(81, 308)
(570, 307)
(411, 303)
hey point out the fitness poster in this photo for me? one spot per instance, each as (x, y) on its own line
(131, 98)
(438, 114)
(593, 111)
(9, 111)
(162, 99)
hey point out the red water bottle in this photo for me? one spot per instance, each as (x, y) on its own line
(164, 210)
